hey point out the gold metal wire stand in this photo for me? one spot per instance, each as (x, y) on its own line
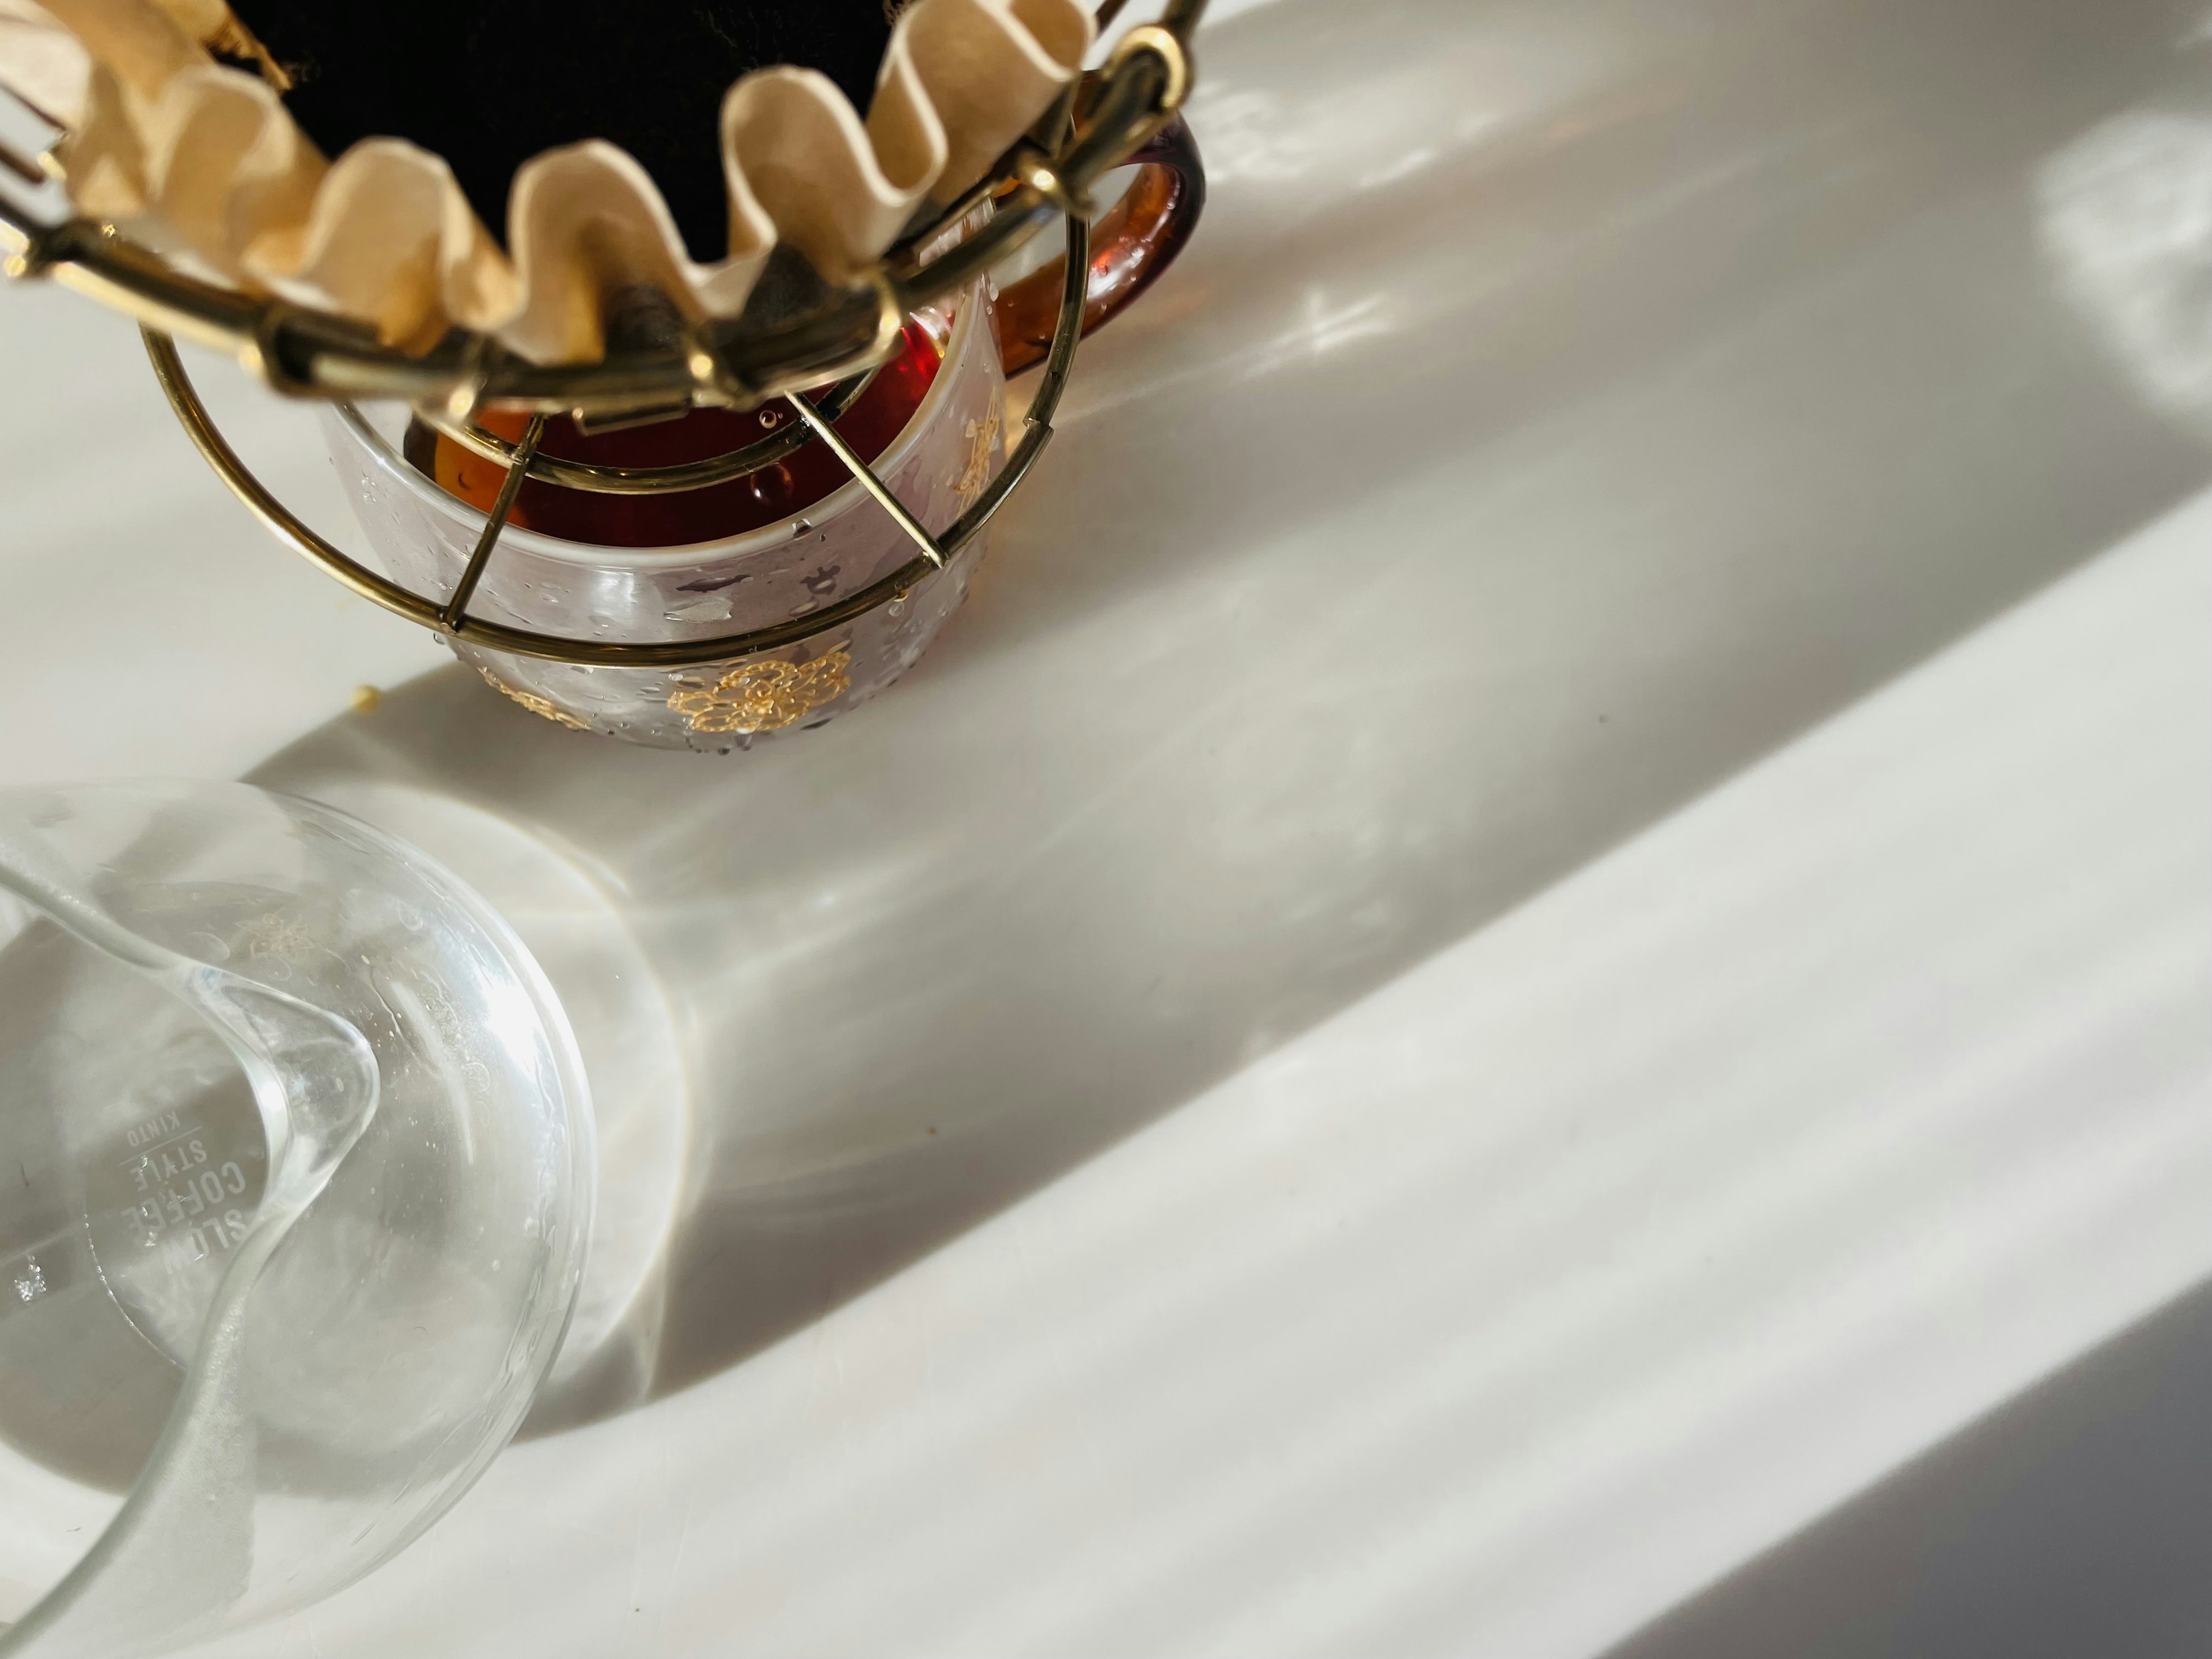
(738, 363)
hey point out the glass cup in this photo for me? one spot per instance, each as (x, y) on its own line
(947, 453)
(300, 1179)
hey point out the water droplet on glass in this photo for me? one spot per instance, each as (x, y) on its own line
(771, 485)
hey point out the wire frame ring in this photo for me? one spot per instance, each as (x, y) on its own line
(651, 480)
(449, 616)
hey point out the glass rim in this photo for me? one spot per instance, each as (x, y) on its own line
(597, 555)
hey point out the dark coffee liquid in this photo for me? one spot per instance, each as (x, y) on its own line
(801, 479)
(488, 85)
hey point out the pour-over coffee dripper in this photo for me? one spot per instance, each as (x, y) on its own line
(983, 129)
(297, 1184)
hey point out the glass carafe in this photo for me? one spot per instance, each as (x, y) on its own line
(295, 1186)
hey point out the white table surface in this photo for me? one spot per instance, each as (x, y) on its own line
(1552, 910)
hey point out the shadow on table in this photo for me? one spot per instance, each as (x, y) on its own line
(2071, 1522)
(1561, 409)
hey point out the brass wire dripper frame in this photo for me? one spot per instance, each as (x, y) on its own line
(738, 362)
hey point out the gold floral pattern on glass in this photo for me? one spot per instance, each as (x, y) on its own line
(982, 434)
(536, 704)
(765, 697)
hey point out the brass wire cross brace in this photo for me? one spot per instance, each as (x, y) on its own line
(457, 606)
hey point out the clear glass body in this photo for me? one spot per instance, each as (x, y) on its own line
(938, 467)
(298, 1191)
